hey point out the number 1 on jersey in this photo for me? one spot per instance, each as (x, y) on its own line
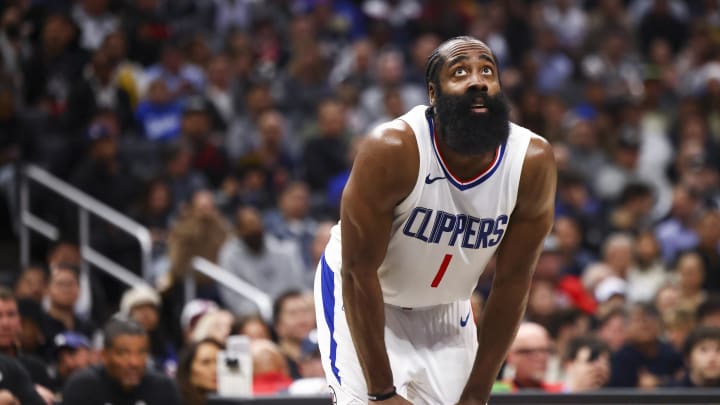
(441, 271)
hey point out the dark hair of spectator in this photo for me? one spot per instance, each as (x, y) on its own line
(699, 334)
(611, 314)
(190, 393)
(120, 326)
(710, 306)
(6, 294)
(596, 345)
(280, 301)
(633, 191)
(647, 309)
(562, 318)
(242, 321)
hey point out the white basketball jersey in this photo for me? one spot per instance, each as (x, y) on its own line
(445, 232)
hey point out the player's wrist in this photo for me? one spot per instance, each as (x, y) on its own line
(382, 395)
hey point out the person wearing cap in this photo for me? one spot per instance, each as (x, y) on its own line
(142, 304)
(72, 353)
(158, 114)
(101, 173)
(123, 376)
(610, 294)
(191, 314)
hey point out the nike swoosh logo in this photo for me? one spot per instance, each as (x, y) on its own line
(463, 322)
(429, 180)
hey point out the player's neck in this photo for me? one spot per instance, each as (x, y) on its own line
(463, 166)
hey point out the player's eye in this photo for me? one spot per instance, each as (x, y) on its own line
(460, 71)
(487, 70)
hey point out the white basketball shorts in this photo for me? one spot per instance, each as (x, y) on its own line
(431, 349)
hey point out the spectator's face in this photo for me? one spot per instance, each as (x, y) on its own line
(643, 328)
(57, 33)
(32, 284)
(331, 120)
(105, 149)
(613, 332)
(203, 370)
(115, 46)
(126, 358)
(64, 288)
(31, 335)
(296, 319)
(692, 272)
(159, 197)
(196, 125)
(705, 360)
(250, 228)
(529, 354)
(646, 249)
(255, 330)
(219, 72)
(271, 125)
(203, 204)
(667, 299)
(295, 202)
(619, 256)
(568, 234)
(542, 299)
(146, 315)
(70, 360)
(311, 366)
(9, 323)
(158, 92)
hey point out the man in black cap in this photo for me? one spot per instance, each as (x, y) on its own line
(72, 353)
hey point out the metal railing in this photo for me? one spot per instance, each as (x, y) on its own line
(229, 280)
(86, 205)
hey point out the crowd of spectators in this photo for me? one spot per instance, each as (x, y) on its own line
(228, 128)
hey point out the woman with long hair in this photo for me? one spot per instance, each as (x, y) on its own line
(197, 371)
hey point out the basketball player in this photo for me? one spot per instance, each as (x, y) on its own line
(431, 197)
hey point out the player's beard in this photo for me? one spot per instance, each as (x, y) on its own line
(467, 132)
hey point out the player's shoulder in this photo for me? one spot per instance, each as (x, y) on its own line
(387, 161)
(393, 138)
(539, 150)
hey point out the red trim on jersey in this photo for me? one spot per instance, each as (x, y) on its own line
(476, 178)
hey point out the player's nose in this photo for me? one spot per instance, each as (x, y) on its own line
(478, 82)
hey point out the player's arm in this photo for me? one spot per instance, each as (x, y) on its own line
(530, 223)
(383, 174)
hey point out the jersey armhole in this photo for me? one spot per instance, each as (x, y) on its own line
(409, 201)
